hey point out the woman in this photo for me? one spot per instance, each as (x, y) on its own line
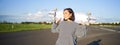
(68, 30)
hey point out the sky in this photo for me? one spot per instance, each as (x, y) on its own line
(37, 10)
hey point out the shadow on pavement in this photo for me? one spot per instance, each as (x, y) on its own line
(95, 42)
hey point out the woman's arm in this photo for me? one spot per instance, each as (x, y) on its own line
(55, 26)
(80, 31)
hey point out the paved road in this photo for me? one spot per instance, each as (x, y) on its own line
(95, 36)
(100, 36)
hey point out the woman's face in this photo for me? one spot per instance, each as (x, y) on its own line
(67, 15)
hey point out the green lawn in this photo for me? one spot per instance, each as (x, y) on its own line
(22, 27)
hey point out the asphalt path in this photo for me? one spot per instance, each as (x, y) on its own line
(95, 36)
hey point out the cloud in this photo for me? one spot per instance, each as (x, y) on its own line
(45, 16)
(35, 17)
(80, 17)
(59, 14)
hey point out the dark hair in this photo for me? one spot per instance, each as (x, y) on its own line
(70, 11)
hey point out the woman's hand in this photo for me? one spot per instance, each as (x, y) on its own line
(57, 21)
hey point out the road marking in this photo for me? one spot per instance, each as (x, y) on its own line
(110, 30)
(107, 29)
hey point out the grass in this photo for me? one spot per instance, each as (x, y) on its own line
(112, 26)
(22, 27)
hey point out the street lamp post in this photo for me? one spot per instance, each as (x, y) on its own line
(89, 15)
(55, 10)
(54, 14)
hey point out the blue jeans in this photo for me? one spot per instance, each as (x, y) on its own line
(75, 43)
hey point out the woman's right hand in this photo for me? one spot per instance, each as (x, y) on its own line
(57, 21)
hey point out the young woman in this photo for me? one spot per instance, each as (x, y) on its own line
(68, 30)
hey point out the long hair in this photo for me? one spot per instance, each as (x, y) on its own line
(72, 18)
